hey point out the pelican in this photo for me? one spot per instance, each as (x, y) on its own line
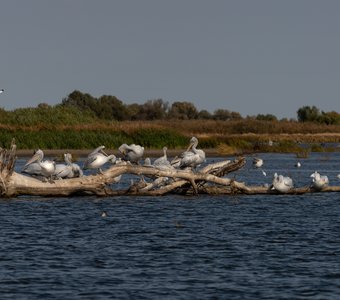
(70, 170)
(282, 183)
(163, 162)
(147, 162)
(47, 166)
(32, 169)
(191, 158)
(62, 170)
(318, 181)
(97, 158)
(76, 169)
(132, 153)
(99, 149)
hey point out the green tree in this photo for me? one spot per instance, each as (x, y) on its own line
(153, 110)
(204, 115)
(222, 114)
(329, 118)
(110, 108)
(183, 111)
(308, 114)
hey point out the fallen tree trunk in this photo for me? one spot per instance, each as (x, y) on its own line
(208, 180)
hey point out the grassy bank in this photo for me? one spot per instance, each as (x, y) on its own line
(228, 137)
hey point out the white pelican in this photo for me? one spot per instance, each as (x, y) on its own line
(200, 154)
(191, 158)
(32, 169)
(99, 149)
(132, 153)
(76, 169)
(282, 183)
(96, 159)
(147, 162)
(70, 170)
(163, 162)
(47, 166)
(63, 170)
(318, 181)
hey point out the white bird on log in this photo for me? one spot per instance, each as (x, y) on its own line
(147, 162)
(68, 170)
(32, 169)
(162, 162)
(132, 153)
(63, 170)
(282, 183)
(191, 158)
(97, 158)
(47, 166)
(319, 181)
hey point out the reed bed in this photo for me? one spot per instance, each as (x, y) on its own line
(77, 131)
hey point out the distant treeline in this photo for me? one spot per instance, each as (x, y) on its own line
(110, 108)
(81, 121)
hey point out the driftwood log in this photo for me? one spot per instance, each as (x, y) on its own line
(208, 180)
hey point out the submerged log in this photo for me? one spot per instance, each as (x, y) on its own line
(207, 180)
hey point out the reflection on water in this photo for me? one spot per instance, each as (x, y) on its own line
(176, 247)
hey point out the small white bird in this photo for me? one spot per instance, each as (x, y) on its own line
(257, 162)
(1, 91)
(338, 176)
(298, 164)
(282, 183)
(319, 181)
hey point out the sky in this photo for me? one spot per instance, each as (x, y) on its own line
(247, 56)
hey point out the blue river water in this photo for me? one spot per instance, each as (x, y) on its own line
(178, 247)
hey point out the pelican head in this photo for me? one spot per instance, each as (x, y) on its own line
(37, 157)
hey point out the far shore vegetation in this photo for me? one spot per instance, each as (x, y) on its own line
(82, 121)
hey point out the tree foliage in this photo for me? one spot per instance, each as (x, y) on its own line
(308, 114)
(80, 107)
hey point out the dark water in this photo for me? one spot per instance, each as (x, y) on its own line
(176, 247)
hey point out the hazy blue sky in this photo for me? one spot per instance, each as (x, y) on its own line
(253, 57)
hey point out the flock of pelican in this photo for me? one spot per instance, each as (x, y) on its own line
(50, 170)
